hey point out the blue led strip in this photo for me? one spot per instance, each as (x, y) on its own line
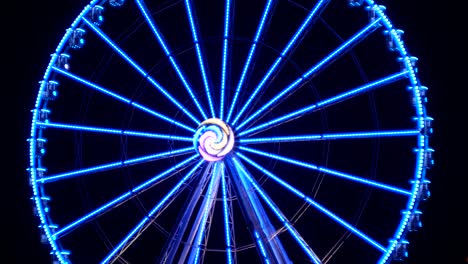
(255, 212)
(117, 164)
(114, 131)
(174, 240)
(260, 30)
(343, 135)
(314, 204)
(208, 206)
(314, 258)
(227, 230)
(378, 83)
(322, 104)
(168, 53)
(56, 249)
(201, 62)
(327, 171)
(362, 34)
(147, 220)
(122, 99)
(34, 165)
(313, 15)
(139, 69)
(227, 16)
(422, 145)
(125, 197)
(262, 248)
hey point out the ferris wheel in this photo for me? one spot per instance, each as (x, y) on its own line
(277, 131)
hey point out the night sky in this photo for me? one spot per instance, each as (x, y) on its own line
(431, 34)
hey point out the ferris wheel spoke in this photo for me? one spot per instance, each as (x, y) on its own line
(140, 70)
(201, 61)
(124, 197)
(122, 99)
(226, 37)
(167, 51)
(228, 222)
(175, 239)
(265, 235)
(316, 205)
(198, 236)
(346, 46)
(113, 131)
(267, 13)
(309, 20)
(152, 215)
(322, 104)
(286, 224)
(115, 165)
(329, 171)
(332, 136)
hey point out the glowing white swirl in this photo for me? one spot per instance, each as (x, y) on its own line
(213, 139)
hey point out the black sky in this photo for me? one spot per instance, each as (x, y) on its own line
(432, 32)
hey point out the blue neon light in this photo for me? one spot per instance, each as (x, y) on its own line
(208, 206)
(163, 44)
(151, 214)
(262, 248)
(114, 131)
(122, 99)
(313, 107)
(124, 197)
(319, 6)
(114, 165)
(280, 216)
(259, 32)
(140, 70)
(319, 66)
(201, 62)
(225, 56)
(314, 204)
(227, 230)
(343, 135)
(328, 171)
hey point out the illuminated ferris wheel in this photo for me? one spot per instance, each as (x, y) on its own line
(286, 131)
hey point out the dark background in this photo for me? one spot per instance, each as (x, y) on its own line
(433, 33)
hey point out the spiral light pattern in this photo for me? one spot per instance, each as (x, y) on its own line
(214, 139)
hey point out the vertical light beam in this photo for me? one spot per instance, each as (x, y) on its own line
(227, 230)
(201, 61)
(227, 18)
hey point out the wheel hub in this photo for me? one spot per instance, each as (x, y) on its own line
(214, 139)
